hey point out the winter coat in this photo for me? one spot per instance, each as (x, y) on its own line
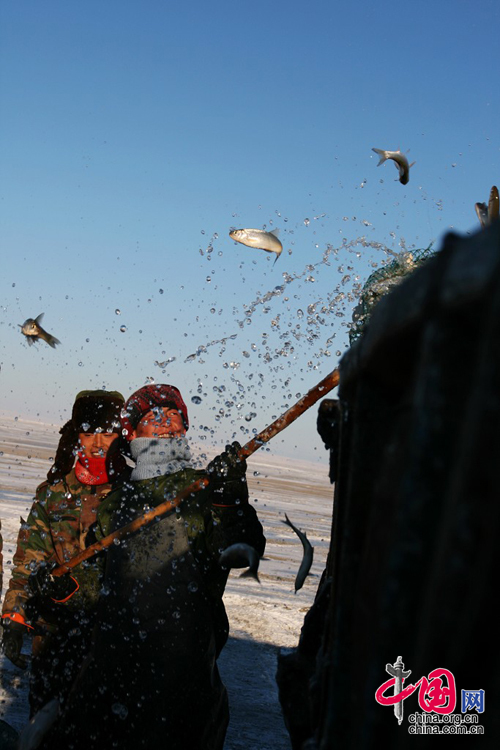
(151, 679)
(55, 531)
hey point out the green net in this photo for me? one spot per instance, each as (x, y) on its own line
(381, 281)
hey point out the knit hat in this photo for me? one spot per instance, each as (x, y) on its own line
(145, 399)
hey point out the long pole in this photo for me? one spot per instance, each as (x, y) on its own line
(304, 403)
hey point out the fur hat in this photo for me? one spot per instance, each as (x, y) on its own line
(147, 398)
(92, 411)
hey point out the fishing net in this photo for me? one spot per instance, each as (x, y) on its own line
(381, 281)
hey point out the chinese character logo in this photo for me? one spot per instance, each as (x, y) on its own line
(398, 678)
(473, 699)
(433, 695)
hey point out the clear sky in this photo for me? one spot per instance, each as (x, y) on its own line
(136, 134)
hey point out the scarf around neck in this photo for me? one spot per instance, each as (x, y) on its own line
(155, 457)
(91, 470)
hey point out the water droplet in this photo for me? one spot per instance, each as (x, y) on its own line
(120, 710)
(123, 329)
(196, 400)
(118, 312)
(307, 222)
(209, 279)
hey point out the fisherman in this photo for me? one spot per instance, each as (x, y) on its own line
(151, 679)
(65, 507)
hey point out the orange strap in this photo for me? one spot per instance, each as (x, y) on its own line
(61, 601)
(16, 617)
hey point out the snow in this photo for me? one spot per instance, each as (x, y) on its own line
(264, 618)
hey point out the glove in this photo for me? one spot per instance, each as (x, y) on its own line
(12, 642)
(43, 585)
(228, 465)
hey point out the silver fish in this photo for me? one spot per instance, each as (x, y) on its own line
(241, 556)
(34, 732)
(488, 213)
(34, 331)
(482, 213)
(259, 239)
(305, 565)
(399, 159)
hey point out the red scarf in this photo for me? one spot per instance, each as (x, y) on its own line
(91, 470)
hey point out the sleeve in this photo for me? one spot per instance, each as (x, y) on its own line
(234, 520)
(34, 545)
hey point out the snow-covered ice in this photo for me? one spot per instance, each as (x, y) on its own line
(263, 618)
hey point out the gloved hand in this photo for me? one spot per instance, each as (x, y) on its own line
(228, 465)
(12, 642)
(43, 584)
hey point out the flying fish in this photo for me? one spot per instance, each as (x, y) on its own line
(400, 161)
(259, 239)
(241, 556)
(488, 213)
(305, 565)
(34, 331)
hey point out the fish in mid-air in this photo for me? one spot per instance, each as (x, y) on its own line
(400, 161)
(259, 239)
(488, 213)
(34, 732)
(241, 556)
(305, 565)
(34, 331)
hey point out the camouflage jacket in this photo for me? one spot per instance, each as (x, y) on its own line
(55, 531)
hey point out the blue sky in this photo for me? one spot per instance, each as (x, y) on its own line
(135, 135)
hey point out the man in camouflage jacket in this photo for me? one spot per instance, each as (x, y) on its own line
(151, 679)
(59, 615)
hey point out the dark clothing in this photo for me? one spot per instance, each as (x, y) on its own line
(151, 679)
(55, 532)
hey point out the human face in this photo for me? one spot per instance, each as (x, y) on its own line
(160, 422)
(96, 444)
